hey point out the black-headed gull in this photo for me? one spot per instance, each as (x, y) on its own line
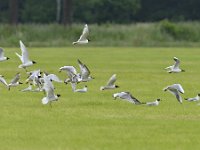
(26, 62)
(84, 36)
(127, 96)
(85, 72)
(110, 84)
(15, 81)
(175, 89)
(2, 57)
(155, 103)
(174, 68)
(49, 90)
(197, 98)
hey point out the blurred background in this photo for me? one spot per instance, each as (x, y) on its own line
(111, 22)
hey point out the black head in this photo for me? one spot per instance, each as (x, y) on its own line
(182, 70)
(7, 58)
(198, 94)
(20, 83)
(89, 40)
(33, 62)
(158, 99)
(58, 95)
(116, 86)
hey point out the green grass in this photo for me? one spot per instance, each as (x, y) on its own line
(93, 120)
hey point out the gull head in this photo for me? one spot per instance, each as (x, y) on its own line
(7, 58)
(33, 62)
(198, 94)
(102, 88)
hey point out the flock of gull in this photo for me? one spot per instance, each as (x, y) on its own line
(43, 81)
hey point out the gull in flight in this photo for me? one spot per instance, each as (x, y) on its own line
(175, 89)
(83, 38)
(193, 99)
(110, 84)
(174, 68)
(26, 62)
(28, 89)
(15, 81)
(85, 72)
(2, 57)
(49, 90)
(155, 103)
(75, 77)
(128, 97)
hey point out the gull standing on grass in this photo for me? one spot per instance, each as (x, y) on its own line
(2, 57)
(26, 62)
(193, 99)
(84, 36)
(128, 97)
(175, 68)
(175, 89)
(110, 84)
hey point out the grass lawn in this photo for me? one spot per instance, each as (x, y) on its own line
(93, 120)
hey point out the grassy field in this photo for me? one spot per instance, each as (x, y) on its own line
(93, 120)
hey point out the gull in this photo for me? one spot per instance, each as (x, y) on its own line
(174, 68)
(15, 81)
(83, 90)
(110, 84)
(193, 98)
(83, 38)
(155, 103)
(85, 72)
(49, 90)
(2, 57)
(24, 57)
(127, 96)
(175, 89)
(72, 74)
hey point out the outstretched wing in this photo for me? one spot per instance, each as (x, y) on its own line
(84, 34)
(2, 80)
(178, 87)
(25, 57)
(54, 77)
(15, 79)
(85, 72)
(1, 53)
(112, 80)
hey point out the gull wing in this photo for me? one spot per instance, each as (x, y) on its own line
(84, 34)
(178, 87)
(15, 79)
(54, 77)
(70, 70)
(85, 72)
(2, 80)
(112, 80)
(25, 56)
(177, 62)
(1, 53)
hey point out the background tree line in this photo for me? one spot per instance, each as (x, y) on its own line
(97, 11)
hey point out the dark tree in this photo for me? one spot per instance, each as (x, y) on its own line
(13, 7)
(67, 12)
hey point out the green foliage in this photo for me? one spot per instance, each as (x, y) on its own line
(178, 31)
(140, 34)
(93, 120)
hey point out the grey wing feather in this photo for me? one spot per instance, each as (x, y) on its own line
(1, 52)
(112, 80)
(15, 79)
(85, 33)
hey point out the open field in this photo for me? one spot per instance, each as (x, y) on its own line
(93, 120)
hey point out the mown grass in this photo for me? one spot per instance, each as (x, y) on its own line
(93, 120)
